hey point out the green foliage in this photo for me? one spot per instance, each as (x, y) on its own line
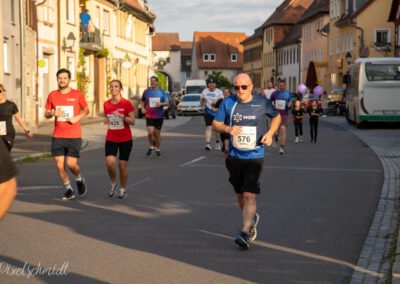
(221, 80)
(81, 78)
(104, 52)
(162, 80)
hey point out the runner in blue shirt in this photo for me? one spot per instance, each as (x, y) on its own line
(243, 116)
(281, 100)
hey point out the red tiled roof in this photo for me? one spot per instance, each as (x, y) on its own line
(186, 48)
(222, 44)
(288, 13)
(137, 6)
(165, 41)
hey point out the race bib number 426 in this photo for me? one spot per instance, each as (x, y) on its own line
(247, 140)
(115, 122)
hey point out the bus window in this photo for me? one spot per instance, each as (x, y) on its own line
(382, 72)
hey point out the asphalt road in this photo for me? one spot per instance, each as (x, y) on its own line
(178, 223)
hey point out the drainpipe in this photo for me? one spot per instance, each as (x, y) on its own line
(37, 66)
(362, 47)
(21, 45)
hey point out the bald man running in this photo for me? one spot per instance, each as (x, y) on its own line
(243, 116)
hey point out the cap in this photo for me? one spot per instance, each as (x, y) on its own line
(211, 80)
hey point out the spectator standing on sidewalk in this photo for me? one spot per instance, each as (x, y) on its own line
(243, 117)
(119, 114)
(281, 100)
(8, 110)
(68, 106)
(152, 104)
(8, 182)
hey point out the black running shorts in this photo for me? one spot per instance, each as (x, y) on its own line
(155, 122)
(208, 119)
(69, 147)
(244, 174)
(124, 148)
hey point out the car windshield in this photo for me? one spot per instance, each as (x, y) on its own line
(191, 98)
(194, 89)
(382, 72)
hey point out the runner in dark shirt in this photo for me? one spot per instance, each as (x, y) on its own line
(8, 182)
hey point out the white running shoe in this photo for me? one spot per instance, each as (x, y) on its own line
(217, 146)
(296, 140)
(301, 139)
(281, 151)
(208, 147)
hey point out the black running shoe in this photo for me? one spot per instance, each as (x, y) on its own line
(158, 153)
(243, 240)
(68, 194)
(82, 190)
(149, 153)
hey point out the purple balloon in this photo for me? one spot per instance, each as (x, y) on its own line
(318, 91)
(302, 89)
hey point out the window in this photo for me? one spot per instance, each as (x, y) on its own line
(12, 6)
(188, 62)
(205, 72)
(70, 11)
(234, 57)
(212, 57)
(206, 57)
(106, 22)
(337, 44)
(48, 12)
(330, 46)
(187, 75)
(382, 39)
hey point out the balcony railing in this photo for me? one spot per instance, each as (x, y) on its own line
(90, 40)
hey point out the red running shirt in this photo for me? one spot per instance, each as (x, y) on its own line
(118, 129)
(71, 103)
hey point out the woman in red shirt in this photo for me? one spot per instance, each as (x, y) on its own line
(119, 114)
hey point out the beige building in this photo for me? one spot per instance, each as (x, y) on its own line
(252, 63)
(314, 42)
(275, 29)
(352, 34)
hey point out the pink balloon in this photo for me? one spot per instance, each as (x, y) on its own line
(318, 90)
(302, 88)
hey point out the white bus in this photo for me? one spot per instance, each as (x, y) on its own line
(373, 90)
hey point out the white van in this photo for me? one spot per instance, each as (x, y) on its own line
(373, 90)
(195, 86)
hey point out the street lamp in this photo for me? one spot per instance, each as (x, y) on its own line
(348, 58)
(69, 42)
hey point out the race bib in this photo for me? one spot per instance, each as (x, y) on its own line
(115, 122)
(280, 104)
(153, 102)
(68, 112)
(247, 140)
(3, 128)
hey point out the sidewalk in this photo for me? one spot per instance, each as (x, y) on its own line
(93, 136)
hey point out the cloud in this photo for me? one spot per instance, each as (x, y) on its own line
(185, 17)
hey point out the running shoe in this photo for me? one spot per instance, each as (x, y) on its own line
(217, 146)
(296, 140)
(149, 152)
(208, 147)
(158, 153)
(82, 189)
(122, 193)
(281, 151)
(242, 240)
(112, 191)
(301, 139)
(68, 194)
(253, 228)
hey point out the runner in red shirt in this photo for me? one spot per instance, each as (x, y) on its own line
(119, 114)
(68, 106)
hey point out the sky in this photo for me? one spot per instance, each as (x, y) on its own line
(188, 16)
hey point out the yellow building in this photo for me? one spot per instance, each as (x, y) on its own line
(252, 63)
(352, 34)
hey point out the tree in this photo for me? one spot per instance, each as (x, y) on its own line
(220, 79)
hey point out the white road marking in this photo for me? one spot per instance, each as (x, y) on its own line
(139, 182)
(303, 254)
(33, 187)
(192, 161)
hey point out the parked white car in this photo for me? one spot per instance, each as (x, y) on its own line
(190, 104)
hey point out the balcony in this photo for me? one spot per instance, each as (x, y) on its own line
(90, 40)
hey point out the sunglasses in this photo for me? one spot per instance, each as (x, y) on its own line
(243, 87)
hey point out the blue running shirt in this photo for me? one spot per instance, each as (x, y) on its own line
(252, 117)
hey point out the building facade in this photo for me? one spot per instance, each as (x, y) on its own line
(252, 63)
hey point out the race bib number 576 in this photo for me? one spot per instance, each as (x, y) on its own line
(247, 140)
